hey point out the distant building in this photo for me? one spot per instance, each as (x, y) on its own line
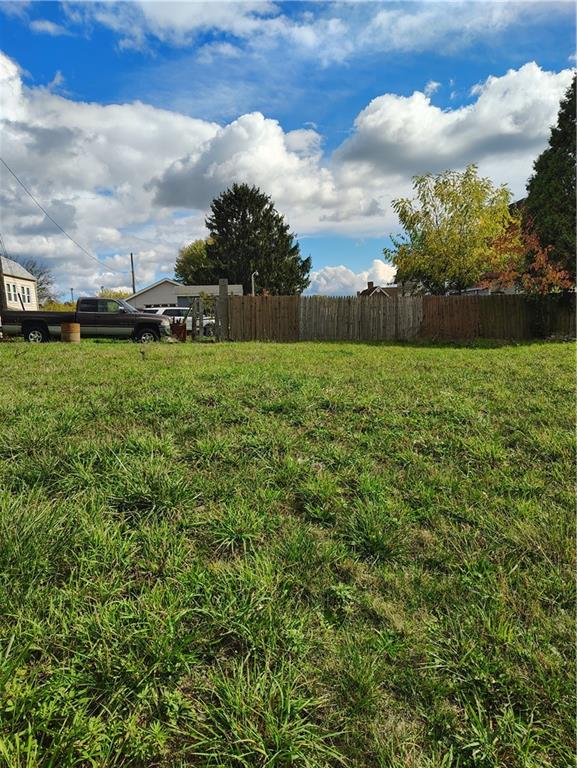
(389, 291)
(169, 293)
(19, 286)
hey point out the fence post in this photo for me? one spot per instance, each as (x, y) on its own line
(222, 326)
(200, 318)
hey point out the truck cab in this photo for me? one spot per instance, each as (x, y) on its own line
(116, 318)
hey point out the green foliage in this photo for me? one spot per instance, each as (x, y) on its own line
(451, 229)
(208, 302)
(301, 556)
(113, 293)
(193, 266)
(550, 199)
(59, 306)
(248, 234)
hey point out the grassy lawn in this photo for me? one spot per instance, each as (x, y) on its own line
(286, 555)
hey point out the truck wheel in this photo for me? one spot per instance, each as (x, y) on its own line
(146, 335)
(36, 334)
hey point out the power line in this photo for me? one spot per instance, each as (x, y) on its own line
(29, 193)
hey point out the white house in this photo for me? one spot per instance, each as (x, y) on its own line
(169, 293)
(19, 286)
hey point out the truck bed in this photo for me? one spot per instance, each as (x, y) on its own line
(14, 319)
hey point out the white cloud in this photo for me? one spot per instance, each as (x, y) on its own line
(45, 27)
(211, 51)
(255, 150)
(88, 165)
(131, 177)
(16, 8)
(56, 81)
(325, 31)
(342, 281)
(509, 120)
(430, 26)
(432, 87)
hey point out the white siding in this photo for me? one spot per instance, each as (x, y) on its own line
(15, 286)
(167, 293)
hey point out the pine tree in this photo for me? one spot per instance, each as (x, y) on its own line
(248, 234)
(550, 203)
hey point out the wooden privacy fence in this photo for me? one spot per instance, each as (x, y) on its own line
(263, 318)
(401, 318)
(374, 318)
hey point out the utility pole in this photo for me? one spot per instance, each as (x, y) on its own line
(132, 271)
(3, 301)
(72, 295)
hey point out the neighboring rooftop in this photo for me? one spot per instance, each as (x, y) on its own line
(13, 269)
(188, 290)
(385, 290)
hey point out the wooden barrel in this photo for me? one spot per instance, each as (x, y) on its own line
(70, 332)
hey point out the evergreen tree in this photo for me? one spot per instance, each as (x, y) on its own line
(248, 234)
(550, 203)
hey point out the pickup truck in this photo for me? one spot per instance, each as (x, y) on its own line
(98, 318)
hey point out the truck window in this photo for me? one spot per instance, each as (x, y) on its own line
(108, 305)
(88, 305)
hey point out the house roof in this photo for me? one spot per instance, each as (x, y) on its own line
(13, 269)
(185, 290)
(148, 287)
(386, 290)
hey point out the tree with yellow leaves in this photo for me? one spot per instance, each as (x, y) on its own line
(452, 232)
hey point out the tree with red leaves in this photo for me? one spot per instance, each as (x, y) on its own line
(531, 269)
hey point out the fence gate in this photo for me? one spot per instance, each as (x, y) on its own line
(194, 323)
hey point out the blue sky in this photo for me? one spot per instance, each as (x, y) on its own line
(329, 107)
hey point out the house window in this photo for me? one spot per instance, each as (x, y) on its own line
(11, 290)
(27, 296)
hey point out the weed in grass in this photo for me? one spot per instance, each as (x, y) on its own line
(373, 532)
(144, 487)
(237, 527)
(360, 675)
(318, 498)
(259, 716)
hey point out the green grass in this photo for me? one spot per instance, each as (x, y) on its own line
(286, 555)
